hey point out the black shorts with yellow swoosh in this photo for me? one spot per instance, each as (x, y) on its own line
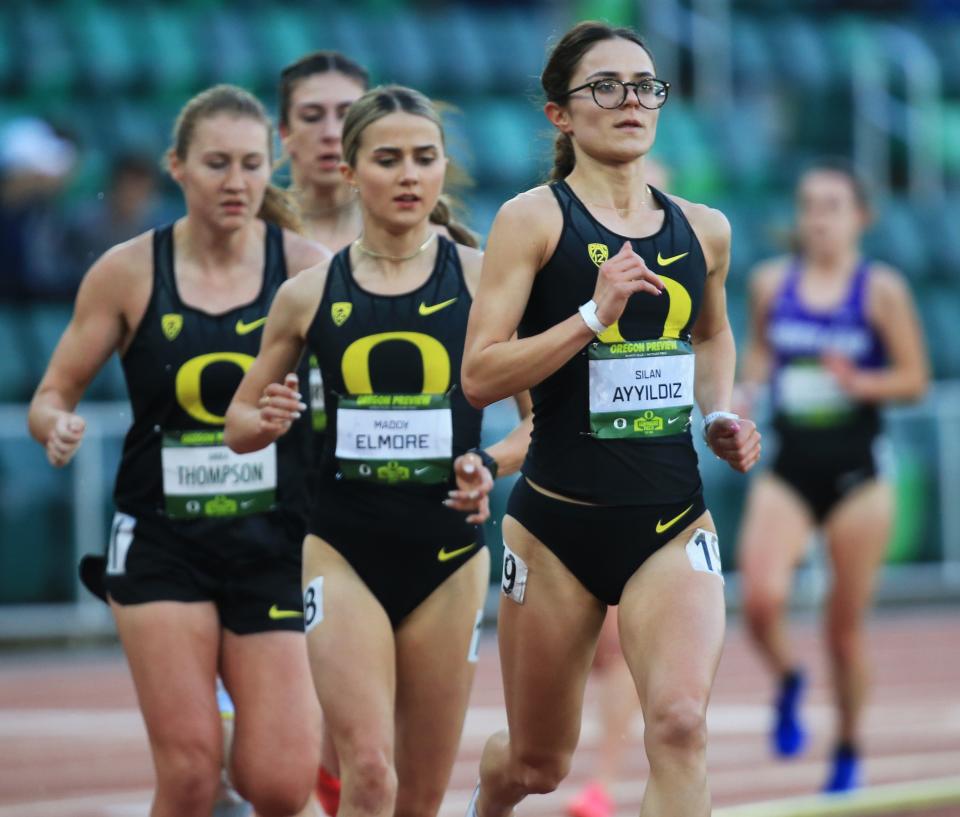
(402, 544)
(248, 568)
(602, 545)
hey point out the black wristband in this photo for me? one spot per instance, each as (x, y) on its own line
(486, 459)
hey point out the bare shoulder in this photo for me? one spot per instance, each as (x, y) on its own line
(766, 278)
(709, 224)
(302, 292)
(123, 272)
(887, 282)
(538, 203)
(531, 222)
(302, 253)
(471, 260)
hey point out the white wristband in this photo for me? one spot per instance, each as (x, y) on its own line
(717, 415)
(588, 312)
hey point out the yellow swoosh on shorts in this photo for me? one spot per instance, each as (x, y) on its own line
(276, 613)
(662, 527)
(445, 556)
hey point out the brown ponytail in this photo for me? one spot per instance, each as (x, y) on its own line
(564, 158)
(443, 215)
(280, 208)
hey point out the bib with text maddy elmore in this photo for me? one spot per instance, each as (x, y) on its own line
(395, 438)
(640, 389)
(204, 478)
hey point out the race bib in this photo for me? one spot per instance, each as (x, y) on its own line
(318, 411)
(204, 478)
(640, 389)
(395, 438)
(810, 395)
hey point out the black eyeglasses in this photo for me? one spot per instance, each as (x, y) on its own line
(612, 93)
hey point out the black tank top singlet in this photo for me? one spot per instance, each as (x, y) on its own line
(564, 455)
(182, 370)
(372, 346)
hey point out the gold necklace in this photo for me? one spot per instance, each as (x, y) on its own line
(374, 254)
(623, 210)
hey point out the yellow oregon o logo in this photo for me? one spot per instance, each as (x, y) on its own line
(187, 384)
(355, 363)
(678, 313)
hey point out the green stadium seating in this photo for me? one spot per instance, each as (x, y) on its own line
(45, 57)
(107, 58)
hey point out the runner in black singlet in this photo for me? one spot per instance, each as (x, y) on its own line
(203, 561)
(393, 580)
(617, 293)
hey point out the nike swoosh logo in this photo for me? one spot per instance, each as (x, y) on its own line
(445, 556)
(246, 328)
(419, 471)
(661, 527)
(670, 422)
(429, 310)
(666, 262)
(276, 613)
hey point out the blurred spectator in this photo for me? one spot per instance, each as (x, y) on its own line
(35, 164)
(129, 207)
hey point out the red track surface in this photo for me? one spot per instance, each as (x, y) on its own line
(72, 743)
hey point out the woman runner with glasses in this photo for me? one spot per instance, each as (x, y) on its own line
(610, 509)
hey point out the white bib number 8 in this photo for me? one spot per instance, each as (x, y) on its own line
(313, 604)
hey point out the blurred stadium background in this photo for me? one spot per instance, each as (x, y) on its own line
(90, 89)
(88, 93)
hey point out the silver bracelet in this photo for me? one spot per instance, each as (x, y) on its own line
(717, 415)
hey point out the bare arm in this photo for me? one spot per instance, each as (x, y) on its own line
(268, 399)
(512, 449)
(98, 328)
(892, 311)
(765, 282)
(736, 441)
(496, 363)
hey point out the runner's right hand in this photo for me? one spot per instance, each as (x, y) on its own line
(280, 405)
(618, 278)
(65, 438)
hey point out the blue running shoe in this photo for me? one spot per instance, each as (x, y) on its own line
(846, 771)
(789, 737)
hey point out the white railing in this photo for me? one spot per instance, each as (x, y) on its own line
(107, 423)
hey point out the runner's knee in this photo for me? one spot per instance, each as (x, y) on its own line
(677, 722)
(374, 787)
(188, 775)
(541, 774)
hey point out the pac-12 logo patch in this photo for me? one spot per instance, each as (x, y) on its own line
(171, 324)
(598, 253)
(340, 311)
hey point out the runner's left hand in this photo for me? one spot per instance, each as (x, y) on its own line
(735, 441)
(474, 483)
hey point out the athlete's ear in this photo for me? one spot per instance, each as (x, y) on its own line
(559, 117)
(175, 166)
